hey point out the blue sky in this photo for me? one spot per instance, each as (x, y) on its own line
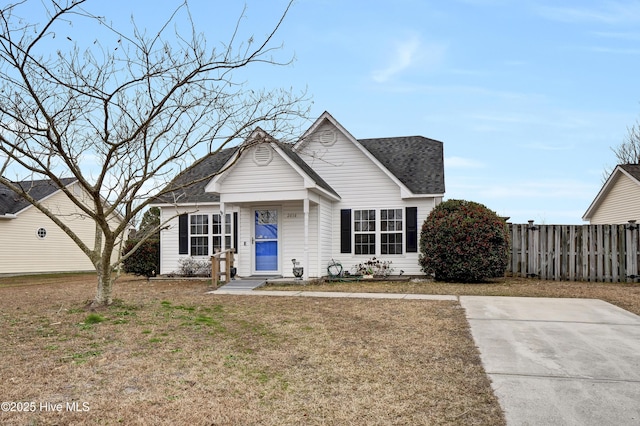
(527, 96)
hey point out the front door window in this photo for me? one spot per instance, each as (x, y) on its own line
(266, 239)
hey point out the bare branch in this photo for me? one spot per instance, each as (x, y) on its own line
(125, 119)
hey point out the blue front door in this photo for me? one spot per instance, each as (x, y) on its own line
(266, 241)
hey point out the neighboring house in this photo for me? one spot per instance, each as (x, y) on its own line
(619, 199)
(328, 196)
(30, 242)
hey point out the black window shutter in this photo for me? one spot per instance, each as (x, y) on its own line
(345, 231)
(412, 229)
(235, 231)
(183, 234)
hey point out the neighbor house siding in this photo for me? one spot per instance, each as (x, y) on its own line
(22, 252)
(621, 203)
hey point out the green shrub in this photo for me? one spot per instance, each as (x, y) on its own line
(464, 241)
(145, 260)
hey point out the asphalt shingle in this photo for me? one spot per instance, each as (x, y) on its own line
(12, 203)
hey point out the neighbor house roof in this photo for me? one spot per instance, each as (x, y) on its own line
(11, 203)
(415, 160)
(630, 170)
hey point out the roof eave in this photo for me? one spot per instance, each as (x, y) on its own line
(602, 193)
(413, 195)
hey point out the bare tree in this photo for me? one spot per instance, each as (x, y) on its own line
(124, 117)
(628, 152)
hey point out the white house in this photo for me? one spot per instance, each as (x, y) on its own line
(328, 196)
(619, 199)
(30, 242)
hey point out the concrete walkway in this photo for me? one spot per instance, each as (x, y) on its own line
(551, 361)
(240, 285)
(559, 361)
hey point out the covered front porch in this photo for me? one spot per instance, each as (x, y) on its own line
(270, 234)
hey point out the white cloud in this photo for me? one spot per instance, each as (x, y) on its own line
(408, 53)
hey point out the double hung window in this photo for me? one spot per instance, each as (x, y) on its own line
(391, 231)
(364, 227)
(217, 231)
(199, 230)
(379, 231)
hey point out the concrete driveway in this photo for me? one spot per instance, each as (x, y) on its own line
(559, 361)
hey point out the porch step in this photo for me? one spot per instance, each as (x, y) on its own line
(244, 284)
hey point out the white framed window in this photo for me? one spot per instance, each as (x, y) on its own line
(216, 229)
(199, 234)
(364, 231)
(391, 230)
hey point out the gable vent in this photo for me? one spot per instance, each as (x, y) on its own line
(262, 155)
(327, 137)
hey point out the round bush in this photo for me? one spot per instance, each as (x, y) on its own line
(145, 260)
(464, 241)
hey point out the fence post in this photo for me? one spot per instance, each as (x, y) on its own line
(632, 250)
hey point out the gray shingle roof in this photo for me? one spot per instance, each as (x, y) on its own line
(209, 166)
(415, 160)
(12, 203)
(418, 162)
(203, 168)
(632, 169)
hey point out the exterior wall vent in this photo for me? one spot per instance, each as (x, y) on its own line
(262, 155)
(327, 137)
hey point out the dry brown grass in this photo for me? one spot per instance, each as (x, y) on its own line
(625, 295)
(166, 353)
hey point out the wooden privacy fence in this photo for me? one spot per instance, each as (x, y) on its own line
(609, 253)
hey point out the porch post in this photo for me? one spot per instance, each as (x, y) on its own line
(305, 276)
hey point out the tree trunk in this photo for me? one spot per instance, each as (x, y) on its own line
(106, 277)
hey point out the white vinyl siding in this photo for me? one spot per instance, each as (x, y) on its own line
(361, 185)
(260, 181)
(621, 204)
(293, 238)
(325, 229)
(169, 255)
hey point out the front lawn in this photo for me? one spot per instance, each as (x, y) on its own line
(167, 353)
(624, 295)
